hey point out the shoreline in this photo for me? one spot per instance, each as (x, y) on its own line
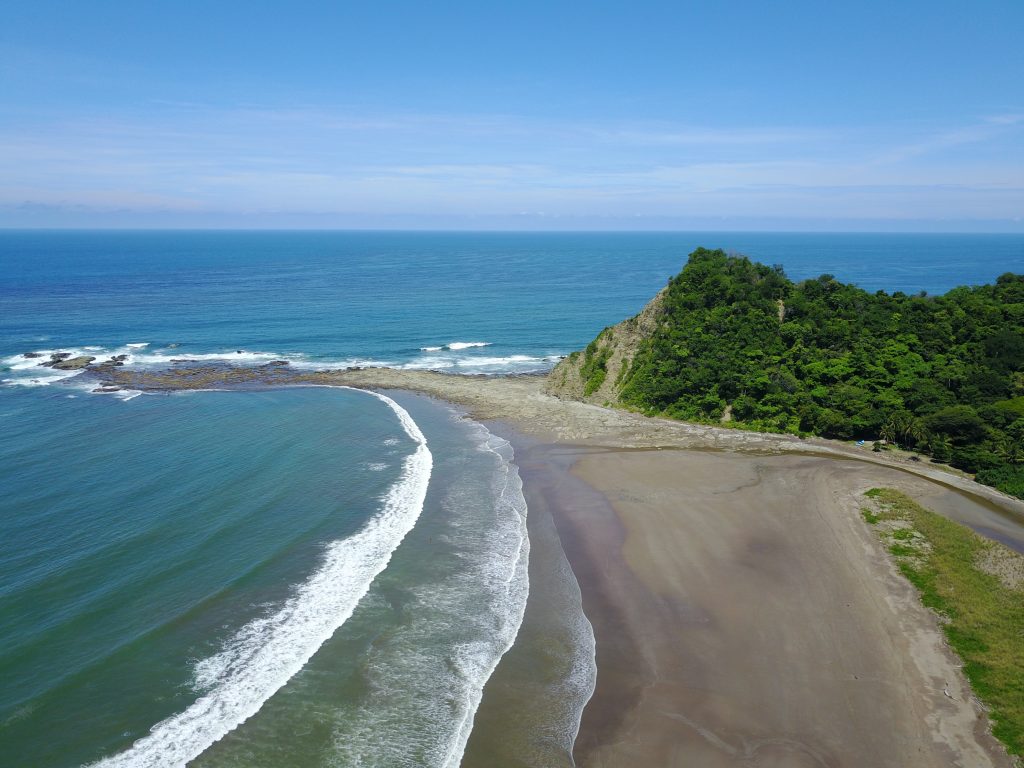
(744, 614)
(521, 402)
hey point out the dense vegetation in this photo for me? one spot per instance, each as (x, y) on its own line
(975, 585)
(594, 368)
(939, 374)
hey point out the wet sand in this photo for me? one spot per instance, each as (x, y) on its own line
(744, 613)
(766, 627)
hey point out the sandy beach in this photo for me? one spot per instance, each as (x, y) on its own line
(744, 614)
(768, 627)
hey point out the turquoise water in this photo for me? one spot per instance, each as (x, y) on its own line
(307, 576)
(170, 584)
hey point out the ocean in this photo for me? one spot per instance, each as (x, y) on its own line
(314, 576)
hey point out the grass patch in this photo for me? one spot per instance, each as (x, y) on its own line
(902, 550)
(984, 617)
(871, 518)
(595, 366)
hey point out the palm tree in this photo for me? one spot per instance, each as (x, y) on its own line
(1010, 451)
(901, 426)
(915, 431)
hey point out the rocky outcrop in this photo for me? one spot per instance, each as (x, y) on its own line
(72, 363)
(113, 362)
(595, 375)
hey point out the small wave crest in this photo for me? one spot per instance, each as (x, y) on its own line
(264, 654)
(506, 579)
(457, 345)
(425, 680)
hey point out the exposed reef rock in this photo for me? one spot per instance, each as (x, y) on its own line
(198, 374)
(72, 363)
(113, 362)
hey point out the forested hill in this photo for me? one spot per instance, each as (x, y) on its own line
(729, 339)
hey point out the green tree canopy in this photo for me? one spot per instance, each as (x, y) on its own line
(828, 358)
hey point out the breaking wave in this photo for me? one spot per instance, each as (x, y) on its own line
(264, 654)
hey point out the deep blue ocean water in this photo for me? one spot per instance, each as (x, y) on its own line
(174, 565)
(390, 297)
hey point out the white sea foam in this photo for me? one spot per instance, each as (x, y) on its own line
(582, 679)
(482, 364)
(425, 681)
(262, 656)
(457, 345)
(22, 363)
(327, 365)
(30, 371)
(458, 357)
(42, 379)
(236, 356)
(429, 363)
(492, 361)
(507, 581)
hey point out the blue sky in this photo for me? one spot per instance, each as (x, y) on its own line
(640, 115)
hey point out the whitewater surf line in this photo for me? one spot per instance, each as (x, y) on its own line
(425, 679)
(513, 585)
(31, 368)
(267, 652)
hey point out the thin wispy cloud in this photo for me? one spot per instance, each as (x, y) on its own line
(985, 130)
(651, 110)
(250, 158)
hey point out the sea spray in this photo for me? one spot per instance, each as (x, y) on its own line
(262, 656)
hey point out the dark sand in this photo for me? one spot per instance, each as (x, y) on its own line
(744, 613)
(748, 617)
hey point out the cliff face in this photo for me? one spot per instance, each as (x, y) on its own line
(595, 375)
